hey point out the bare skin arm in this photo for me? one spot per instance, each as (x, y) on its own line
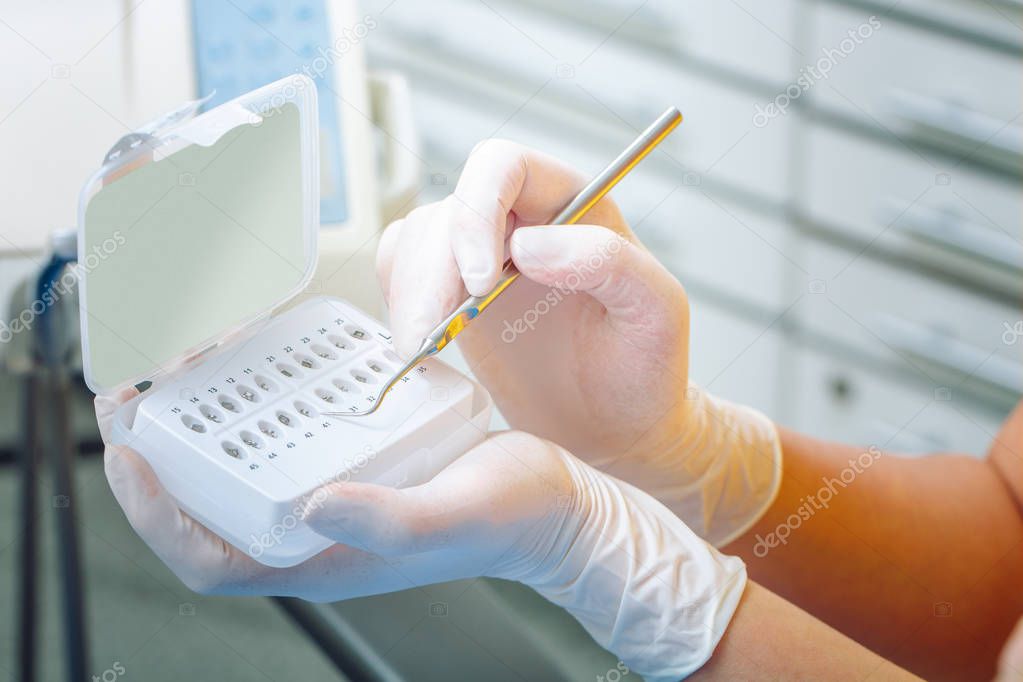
(771, 639)
(920, 560)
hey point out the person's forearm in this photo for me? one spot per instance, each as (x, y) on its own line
(771, 639)
(919, 559)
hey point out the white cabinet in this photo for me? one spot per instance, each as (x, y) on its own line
(869, 237)
(718, 138)
(863, 186)
(612, 80)
(994, 19)
(751, 38)
(918, 205)
(735, 358)
(942, 334)
(838, 400)
(917, 83)
(745, 254)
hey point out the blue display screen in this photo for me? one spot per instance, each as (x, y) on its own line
(241, 45)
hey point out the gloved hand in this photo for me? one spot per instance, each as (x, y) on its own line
(590, 347)
(514, 507)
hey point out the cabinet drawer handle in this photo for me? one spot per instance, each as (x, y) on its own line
(951, 353)
(950, 121)
(951, 231)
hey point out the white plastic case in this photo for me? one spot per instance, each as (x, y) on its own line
(232, 424)
(240, 443)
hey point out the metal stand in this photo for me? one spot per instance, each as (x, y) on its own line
(28, 568)
(63, 455)
(338, 640)
(47, 383)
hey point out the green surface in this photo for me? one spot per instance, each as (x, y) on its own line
(180, 250)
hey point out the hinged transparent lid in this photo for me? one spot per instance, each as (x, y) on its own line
(191, 232)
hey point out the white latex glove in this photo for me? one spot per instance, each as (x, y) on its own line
(590, 347)
(514, 507)
(1010, 663)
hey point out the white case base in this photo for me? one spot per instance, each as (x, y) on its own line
(245, 473)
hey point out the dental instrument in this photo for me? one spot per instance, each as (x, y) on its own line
(593, 192)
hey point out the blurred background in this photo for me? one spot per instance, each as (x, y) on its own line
(842, 203)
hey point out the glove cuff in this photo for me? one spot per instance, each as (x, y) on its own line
(724, 470)
(639, 581)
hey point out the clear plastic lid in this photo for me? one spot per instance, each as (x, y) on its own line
(194, 230)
